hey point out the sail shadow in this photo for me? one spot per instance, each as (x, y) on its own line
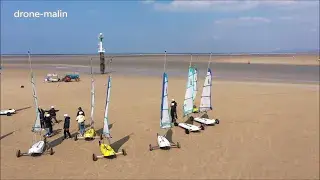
(168, 135)
(23, 108)
(189, 120)
(205, 116)
(6, 135)
(100, 131)
(117, 145)
(55, 132)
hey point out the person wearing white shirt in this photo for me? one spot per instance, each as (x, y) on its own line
(80, 119)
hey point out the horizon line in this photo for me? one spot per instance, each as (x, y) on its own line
(173, 53)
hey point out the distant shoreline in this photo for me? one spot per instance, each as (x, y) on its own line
(171, 54)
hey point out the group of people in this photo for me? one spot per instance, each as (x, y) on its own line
(46, 118)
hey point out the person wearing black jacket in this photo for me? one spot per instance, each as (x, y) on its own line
(66, 126)
(41, 113)
(53, 114)
(80, 110)
(48, 124)
(173, 111)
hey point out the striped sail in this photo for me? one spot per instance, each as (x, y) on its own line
(37, 126)
(195, 82)
(205, 102)
(106, 130)
(188, 98)
(92, 100)
(165, 121)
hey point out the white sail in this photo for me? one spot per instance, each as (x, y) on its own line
(92, 100)
(106, 130)
(165, 121)
(37, 126)
(205, 102)
(195, 82)
(188, 98)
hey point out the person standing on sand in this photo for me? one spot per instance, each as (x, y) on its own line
(48, 124)
(80, 119)
(173, 111)
(53, 114)
(66, 126)
(41, 115)
(80, 110)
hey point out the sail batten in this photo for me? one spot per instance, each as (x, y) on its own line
(188, 100)
(165, 121)
(205, 102)
(106, 130)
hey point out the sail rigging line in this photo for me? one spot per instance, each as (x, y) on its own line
(165, 120)
(209, 61)
(165, 61)
(34, 94)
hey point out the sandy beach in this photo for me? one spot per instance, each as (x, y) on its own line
(267, 130)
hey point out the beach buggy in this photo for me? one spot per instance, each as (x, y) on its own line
(71, 76)
(52, 78)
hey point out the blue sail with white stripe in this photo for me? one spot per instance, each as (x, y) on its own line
(188, 98)
(165, 121)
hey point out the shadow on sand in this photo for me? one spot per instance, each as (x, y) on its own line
(100, 131)
(117, 145)
(205, 116)
(168, 135)
(6, 135)
(59, 140)
(55, 132)
(21, 109)
(189, 120)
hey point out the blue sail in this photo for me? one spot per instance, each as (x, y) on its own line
(165, 121)
(188, 98)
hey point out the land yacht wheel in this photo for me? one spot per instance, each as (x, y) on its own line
(187, 131)
(178, 145)
(217, 121)
(150, 147)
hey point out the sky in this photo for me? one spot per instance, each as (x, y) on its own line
(151, 26)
